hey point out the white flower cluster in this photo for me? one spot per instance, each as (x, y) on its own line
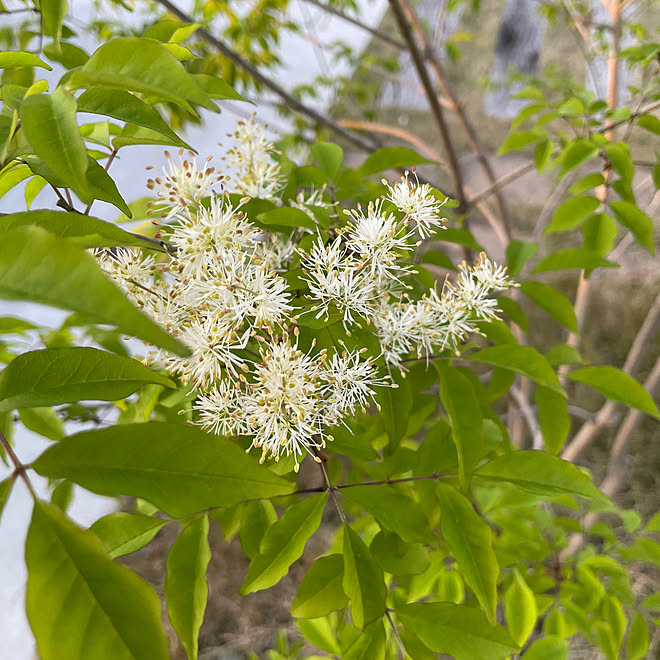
(223, 294)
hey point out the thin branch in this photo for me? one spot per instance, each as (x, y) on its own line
(332, 491)
(395, 632)
(504, 180)
(383, 36)
(436, 109)
(19, 468)
(528, 414)
(292, 102)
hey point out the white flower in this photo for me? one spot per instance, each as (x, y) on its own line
(220, 410)
(490, 274)
(184, 184)
(417, 202)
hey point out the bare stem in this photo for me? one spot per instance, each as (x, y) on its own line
(331, 489)
(19, 468)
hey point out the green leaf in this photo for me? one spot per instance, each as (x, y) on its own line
(653, 601)
(110, 613)
(519, 140)
(460, 237)
(284, 543)
(650, 123)
(523, 360)
(518, 253)
(171, 31)
(571, 213)
(395, 511)
(5, 490)
(513, 310)
(102, 187)
(397, 556)
(68, 55)
(637, 221)
(123, 533)
(320, 633)
(573, 258)
(470, 542)
(49, 123)
(438, 258)
(125, 106)
(178, 468)
(329, 156)
(11, 325)
(321, 592)
(576, 153)
(186, 590)
(363, 581)
(638, 638)
(554, 419)
(563, 354)
(599, 231)
(539, 473)
(141, 65)
(83, 230)
(554, 303)
(40, 267)
(617, 386)
(462, 632)
(217, 88)
(587, 183)
(520, 609)
(51, 376)
(257, 518)
(369, 645)
(653, 525)
(15, 58)
(395, 404)
(286, 217)
(12, 176)
(548, 648)
(460, 401)
(618, 153)
(42, 421)
(391, 158)
(52, 16)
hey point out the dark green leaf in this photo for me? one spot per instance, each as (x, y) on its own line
(539, 473)
(637, 221)
(391, 158)
(395, 405)
(392, 509)
(438, 258)
(123, 533)
(513, 310)
(460, 401)
(286, 217)
(37, 266)
(572, 213)
(141, 65)
(321, 592)
(83, 230)
(11, 325)
(363, 582)
(573, 258)
(186, 590)
(518, 254)
(102, 187)
(398, 557)
(462, 632)
(553, 302)
(460, 237)
(563, 354)
(284, 543)
(470, 542)
(618, 154)
(179, 468)
(42, 421)
(217, 88)
(51, 376)
(14, 58)
(523, 360)
(110, 613)
(617, 386)
(329, 156)
(554, 420)
(49, 123)
(125, 106)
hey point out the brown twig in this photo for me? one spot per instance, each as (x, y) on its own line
(436, 109)
(19, 468)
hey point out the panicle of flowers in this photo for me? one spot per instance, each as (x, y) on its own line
(417, 202)
(256, 173)
(183, 185)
